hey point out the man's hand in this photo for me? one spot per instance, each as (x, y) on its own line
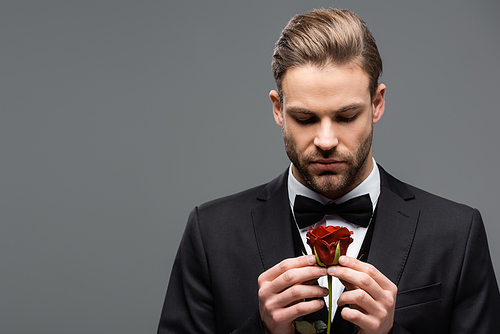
(370, 295)
(283, 290)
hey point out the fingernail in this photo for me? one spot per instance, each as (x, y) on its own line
(323, 271)
(325, 292)
(332, 270)
(311, 259)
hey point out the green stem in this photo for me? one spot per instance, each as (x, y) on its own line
(329, 304)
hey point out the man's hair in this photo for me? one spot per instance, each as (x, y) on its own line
(323, 37)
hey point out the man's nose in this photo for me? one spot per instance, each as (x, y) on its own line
(326, 137)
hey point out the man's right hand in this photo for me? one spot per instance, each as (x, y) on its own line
(283, 291)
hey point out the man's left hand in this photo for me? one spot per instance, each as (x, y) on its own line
(370, 296)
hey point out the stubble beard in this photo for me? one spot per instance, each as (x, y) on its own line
(328, 183)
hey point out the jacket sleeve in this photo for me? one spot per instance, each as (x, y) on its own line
(477, 300)
(189, 303)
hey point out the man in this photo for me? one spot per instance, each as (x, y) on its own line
(418, 264)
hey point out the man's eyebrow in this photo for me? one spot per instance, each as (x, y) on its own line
(295, 110)
(298, 110)
(349, 107)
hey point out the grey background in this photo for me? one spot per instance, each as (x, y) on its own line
(117, 117)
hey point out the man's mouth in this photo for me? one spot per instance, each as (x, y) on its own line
(326, 165)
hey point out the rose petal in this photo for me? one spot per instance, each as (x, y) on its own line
(325, 239)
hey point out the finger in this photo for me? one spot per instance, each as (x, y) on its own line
(285, 265)
(360, 300)
(289, 314)
(359, 280)
(296, 276)
(367, 323)
(360, 319)
(299, 293)
(367, 268)
(293, 296)
(348, 285)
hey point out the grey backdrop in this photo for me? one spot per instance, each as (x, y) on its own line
(117, 117)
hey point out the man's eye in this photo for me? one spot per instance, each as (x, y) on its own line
(305, 121)
(346, 119)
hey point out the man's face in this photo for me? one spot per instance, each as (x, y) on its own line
(327, 118)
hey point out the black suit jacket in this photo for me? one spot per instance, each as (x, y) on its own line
(433, 249)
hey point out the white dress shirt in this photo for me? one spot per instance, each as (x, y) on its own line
(371, 186)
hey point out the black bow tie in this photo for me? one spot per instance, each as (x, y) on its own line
(357, 210)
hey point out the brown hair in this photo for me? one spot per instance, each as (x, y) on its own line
(325, 36)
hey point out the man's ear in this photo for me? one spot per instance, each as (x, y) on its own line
(277, 108)
(378, 103)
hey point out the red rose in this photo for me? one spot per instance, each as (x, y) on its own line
(324, 241)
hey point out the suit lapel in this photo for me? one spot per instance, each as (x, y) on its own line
(395, 227)
(273, 230)
(271, 221)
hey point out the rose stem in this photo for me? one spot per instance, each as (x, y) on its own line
(329, 303)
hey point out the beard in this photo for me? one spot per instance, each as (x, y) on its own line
(336, 183)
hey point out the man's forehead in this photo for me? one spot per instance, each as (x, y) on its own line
(312, 81)
(329, 67)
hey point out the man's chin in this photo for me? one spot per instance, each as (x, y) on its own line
(326, 183)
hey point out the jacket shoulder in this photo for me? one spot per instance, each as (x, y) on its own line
(240, 199)
(419, 197)
(242, 202)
